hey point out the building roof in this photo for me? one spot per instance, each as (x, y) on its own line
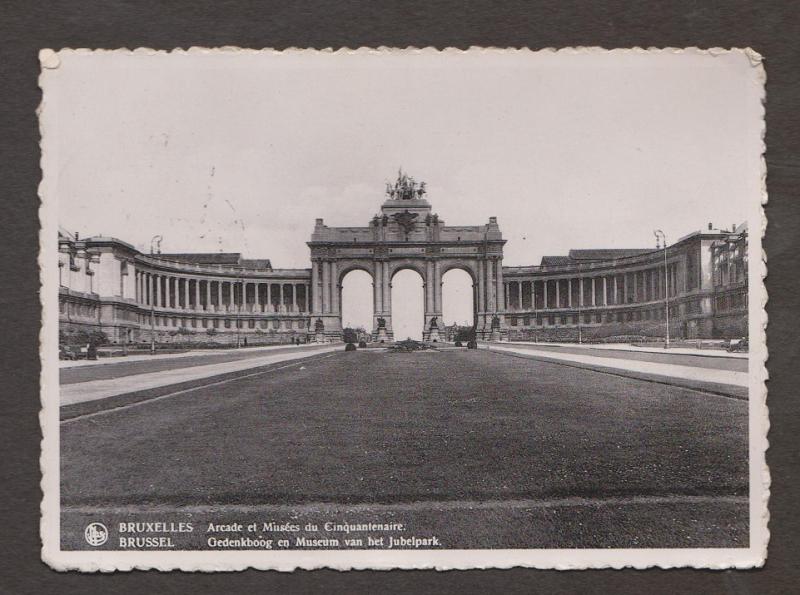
(554, 261)
(602, 254)
(256, 263)
(231, 259)
(607, 253)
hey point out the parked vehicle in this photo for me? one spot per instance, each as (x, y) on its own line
(70, 352)
(738, 345)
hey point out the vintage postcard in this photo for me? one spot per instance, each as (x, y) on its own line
(386, 308)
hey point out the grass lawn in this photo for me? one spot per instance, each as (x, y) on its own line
(378, 427)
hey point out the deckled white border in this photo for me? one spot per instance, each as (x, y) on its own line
(89, 561)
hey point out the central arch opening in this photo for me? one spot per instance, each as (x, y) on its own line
(356, 305)
(408, 307)
(458, 303)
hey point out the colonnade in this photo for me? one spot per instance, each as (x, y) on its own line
(586, 291)
(219, 295)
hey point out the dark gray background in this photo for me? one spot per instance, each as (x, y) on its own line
(772, 28)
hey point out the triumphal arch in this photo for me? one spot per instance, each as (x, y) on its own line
(406, 234)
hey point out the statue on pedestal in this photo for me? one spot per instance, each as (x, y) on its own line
(405, 188)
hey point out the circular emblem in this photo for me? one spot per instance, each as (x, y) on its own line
(96, 534)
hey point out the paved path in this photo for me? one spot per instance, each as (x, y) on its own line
(147, 357)
(108, 387)
(696, 373)
(145, 364)
(640, 349)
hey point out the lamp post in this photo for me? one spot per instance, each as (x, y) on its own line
(154, 241)
(662, 237)
(239, 312)
(580, 304)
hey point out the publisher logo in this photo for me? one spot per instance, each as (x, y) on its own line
(96, 534)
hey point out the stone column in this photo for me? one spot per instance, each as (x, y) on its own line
(315, 306)
(624, 288)
(437, 287)
(635, 286)
(616, 290)
(326, 287)
(594, 293)
(387, 289)
(519, 295)
(544, 294)
(294, 297)
(377, 289)
(197, 294)
(429, 281)
(558, 293)
(500, 297)
(208, 295)
(231, 297)
(569, 293)
(481, 288)
(334, 287)
(159, 292)
(490, 307)
(219, 296)
(605, 291)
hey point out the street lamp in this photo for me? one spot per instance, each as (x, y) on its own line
(239, 311)
(580, 304)
(662, 237)
(154, 241)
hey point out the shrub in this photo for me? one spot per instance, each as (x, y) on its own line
(362, 344)
(472, 345)
(350, 347)
(458, 344)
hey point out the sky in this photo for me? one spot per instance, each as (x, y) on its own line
(241, 152)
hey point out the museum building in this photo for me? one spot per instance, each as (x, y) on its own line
(117, 294)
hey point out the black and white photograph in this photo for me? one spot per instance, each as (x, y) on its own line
(386, 308)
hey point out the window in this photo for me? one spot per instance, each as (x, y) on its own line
(264, 324)
(276, 324)
(563, 319)
(527, 320)
(551, 320)
(216, 323)
(538, 320)
(513, 320)
(227, 323)
(251, 324)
